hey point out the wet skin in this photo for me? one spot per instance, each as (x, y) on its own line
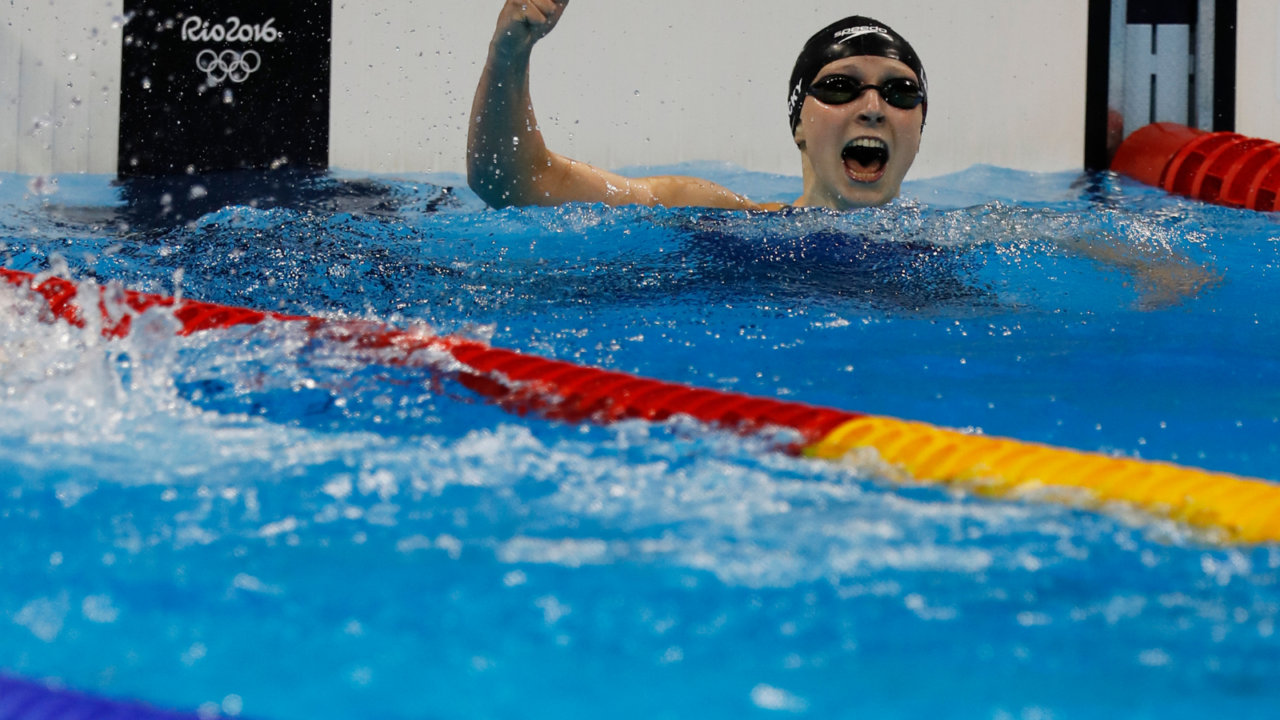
(508, 162)
(831, 177)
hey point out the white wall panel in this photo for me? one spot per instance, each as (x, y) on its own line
(10, 55)
(59, 86)
(99, 87)
(1258, 69)
(617, 84)
(36, 65)
(667, 81)
(402, 78)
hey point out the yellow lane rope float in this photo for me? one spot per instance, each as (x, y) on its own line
(1246, 509)
(1241, 509)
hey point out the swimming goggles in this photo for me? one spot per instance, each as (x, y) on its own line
(901, 93)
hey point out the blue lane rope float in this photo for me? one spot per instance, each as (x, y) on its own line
(26, 700)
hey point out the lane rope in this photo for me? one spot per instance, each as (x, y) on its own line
(1242, 509)
(25, 700)
(1216, 167)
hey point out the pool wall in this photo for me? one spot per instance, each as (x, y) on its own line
(708, 81)
(60, 86)
(615, 86)
(1258, 69)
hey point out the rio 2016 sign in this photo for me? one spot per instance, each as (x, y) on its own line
(230, 65)
(213, 85)
(196, 29)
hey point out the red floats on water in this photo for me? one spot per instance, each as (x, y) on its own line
(521, 383)
(1222, 167)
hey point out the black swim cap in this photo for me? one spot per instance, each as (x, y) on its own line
(856, 35)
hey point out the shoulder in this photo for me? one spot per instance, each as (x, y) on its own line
(681, 191)
(773, 207)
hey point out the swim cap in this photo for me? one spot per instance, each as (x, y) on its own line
(855, 35)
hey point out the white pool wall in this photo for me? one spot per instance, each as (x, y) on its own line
(1258, 69)
(619, 84)
(59, 86)
(668, 81)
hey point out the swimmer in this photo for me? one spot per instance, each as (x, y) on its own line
(857, 102)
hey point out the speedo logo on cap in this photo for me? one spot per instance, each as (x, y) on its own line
(853, 32)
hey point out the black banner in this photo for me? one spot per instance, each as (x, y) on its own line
(1097, 156)
(210, 85)
(1224, 65)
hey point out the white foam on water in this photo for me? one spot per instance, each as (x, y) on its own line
(265, 478)
(109, 412)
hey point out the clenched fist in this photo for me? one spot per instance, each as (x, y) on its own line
(524, 22)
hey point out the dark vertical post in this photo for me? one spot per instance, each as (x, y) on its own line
(1097, 76)
(1224, 66)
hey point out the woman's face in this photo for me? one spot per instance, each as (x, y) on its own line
(838, 174)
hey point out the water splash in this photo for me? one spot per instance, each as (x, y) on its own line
(402, 548)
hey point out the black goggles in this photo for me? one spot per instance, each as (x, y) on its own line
(902, 93)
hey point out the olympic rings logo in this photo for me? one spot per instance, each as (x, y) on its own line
(227, 65)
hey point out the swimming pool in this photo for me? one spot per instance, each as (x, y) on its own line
(244, 522)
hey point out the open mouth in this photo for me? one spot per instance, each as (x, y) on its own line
(865, 159)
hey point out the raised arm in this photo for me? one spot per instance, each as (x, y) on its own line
(508, 162)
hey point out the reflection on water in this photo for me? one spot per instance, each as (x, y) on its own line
(145, 204)
(253, 515)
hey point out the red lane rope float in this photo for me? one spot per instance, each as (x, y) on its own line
(526, 383)
(1222, 167)
(1240, 509)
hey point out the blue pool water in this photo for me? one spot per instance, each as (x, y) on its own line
(245, 523)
